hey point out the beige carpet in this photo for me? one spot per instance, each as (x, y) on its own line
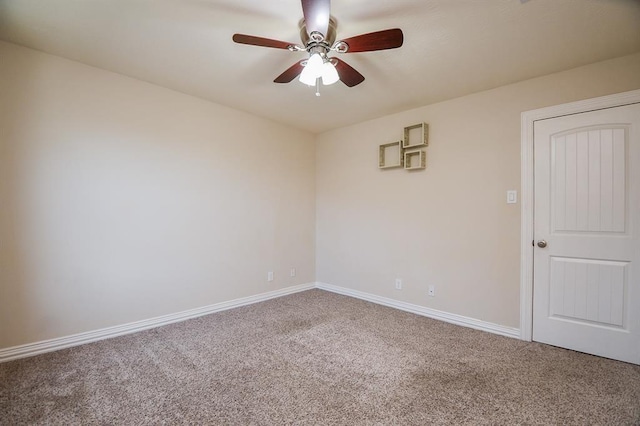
(317, 358)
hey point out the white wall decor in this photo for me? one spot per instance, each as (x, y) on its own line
(406, 153)
(415, 160)
(415, 136)
(390, 155)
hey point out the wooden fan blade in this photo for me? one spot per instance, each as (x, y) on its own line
(261, 41)
(348, 74)
(290, 73)
(379, 40)
(316, 15)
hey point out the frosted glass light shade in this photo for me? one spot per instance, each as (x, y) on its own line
(307, 77)
(329, 74)
(314, 64)
(312, 70)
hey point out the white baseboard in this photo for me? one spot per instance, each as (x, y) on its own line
(427, 312)
(51, 345)
(41, 347)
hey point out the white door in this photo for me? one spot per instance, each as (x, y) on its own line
(587, 210)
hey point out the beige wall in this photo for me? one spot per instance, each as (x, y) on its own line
(448, 225)
(121, 201)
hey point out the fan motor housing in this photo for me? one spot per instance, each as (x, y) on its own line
(329, 38)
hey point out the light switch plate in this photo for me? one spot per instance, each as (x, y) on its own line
(512, 197)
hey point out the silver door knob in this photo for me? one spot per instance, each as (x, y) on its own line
(542, 243)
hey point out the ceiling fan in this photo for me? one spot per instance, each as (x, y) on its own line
(318, 34)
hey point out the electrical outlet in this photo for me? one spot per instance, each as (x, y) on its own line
(432, 290)
(292, 273)
(398, 284)
(270, 276)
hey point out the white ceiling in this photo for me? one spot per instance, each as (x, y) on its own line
(451, 47)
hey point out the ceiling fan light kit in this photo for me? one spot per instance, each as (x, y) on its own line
(318, 35)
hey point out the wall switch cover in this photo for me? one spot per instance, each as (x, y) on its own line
(512, 197)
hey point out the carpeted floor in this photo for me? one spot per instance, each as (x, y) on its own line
(317, 358)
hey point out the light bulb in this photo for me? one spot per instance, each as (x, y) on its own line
(329, 74)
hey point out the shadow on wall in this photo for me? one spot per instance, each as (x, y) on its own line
(18, 87)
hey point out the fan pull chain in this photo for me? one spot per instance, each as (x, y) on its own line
(317, 87)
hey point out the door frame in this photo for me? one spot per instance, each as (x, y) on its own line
(528, 119)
